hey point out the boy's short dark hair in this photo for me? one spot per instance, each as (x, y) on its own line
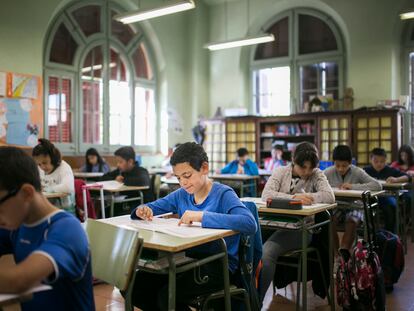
(306, 151)
(278, 147)
(378, 152)
(126, 153)
(17, 168)
(241, 152)
(46, 148)
(192, 153)
(342, 153)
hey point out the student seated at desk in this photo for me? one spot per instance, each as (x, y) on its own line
(48, 244)
(56, 175)
(344, 175)
(129, 172)
(275, 160)
(381, 171)
(405, 162)
(199, 199)
(94, 163)
(242, 165)
(301, 180)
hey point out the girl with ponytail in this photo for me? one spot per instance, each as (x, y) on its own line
(56, 175)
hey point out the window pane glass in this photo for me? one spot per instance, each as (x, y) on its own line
(92, 112)
(63, 46)
(411, 91)
(119, 103)
(141, 63)
(315, 35)
(279, 47)
(89, 19)
(122, 32)
(59, 110)
(53, 109)
(320, 79)
(144, 116)
(92, 66)
(272, 91)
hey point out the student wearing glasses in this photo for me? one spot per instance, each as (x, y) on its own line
(41, 239)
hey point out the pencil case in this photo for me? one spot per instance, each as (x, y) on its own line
(284, 203)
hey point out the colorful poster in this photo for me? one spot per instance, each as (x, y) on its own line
(24, 86)
(21, 109)
(3, 84)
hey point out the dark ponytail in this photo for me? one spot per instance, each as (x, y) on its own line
(45, 147)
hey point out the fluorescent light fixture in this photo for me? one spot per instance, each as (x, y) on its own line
(168, 8)
(407, 14)
(239, 42)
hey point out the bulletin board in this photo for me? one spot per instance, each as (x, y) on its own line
(21, 109)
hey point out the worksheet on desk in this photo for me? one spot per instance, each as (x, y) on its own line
(109, 184)
(165, 225)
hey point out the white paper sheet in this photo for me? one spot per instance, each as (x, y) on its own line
(109, 185)
(38, 288)
(165, 225)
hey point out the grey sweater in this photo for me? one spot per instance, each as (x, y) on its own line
(317, 185)
(355, 176)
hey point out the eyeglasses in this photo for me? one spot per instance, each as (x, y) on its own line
(9, 195)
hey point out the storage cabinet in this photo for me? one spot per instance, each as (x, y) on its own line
(240, 132)
(215, 143)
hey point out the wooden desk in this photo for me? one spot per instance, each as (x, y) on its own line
(123, 188)
(304, 226)
(55, 195)
(170, 181)
(88, 175)
(354, 194)
(16, 299)
(169, 245)
(264, 173)
(245, 181)
(159, 171)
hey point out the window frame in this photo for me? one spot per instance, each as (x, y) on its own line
(107, 40)
(294, 60)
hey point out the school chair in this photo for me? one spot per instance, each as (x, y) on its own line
(250, 254)
(115, 253)
(292, 260)
(156, 185)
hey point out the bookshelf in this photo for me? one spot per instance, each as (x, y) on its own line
(334, 129)
(377, 128)
(215, 143)
(241, 132)
(285, 130)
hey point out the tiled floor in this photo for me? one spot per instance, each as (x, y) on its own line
(401, 299)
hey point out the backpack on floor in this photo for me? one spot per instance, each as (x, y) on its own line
(391, 254)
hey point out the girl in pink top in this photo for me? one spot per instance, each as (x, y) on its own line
(405, 162)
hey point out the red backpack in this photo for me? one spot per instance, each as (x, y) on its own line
(79, 201)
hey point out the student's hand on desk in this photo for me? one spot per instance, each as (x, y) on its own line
(191, 216)
(306, 198)
(391, 180)
(144, 212)
(119, 178)
(345, 186)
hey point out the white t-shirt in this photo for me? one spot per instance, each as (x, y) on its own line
(60, 180)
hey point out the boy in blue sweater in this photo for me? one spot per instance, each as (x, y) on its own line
(201, 200)
(381, 171)
(242, 165)
(48, 244)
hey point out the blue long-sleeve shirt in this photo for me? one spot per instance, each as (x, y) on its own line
(250, 168)
(222, 210)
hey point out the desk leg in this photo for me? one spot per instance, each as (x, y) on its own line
(412, 212)
(242, 189)
(111, 211)
(226, 279)
(171, 282)
(331, 259)
(141, 197)
(304, 263)
(102, 203)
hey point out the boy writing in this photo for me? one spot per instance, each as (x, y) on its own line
(201, 200)
(41, 238)
(129, 172)
(344, 175)
(381, 171)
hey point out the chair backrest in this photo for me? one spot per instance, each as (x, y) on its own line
(156, 185)
(250, 255)
(115, 252)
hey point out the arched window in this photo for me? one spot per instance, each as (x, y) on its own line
(305, 60)
(99, 78)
